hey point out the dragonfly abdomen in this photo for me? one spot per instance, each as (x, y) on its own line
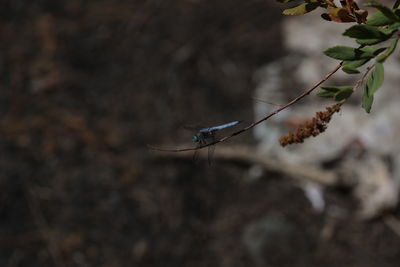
(223, 126)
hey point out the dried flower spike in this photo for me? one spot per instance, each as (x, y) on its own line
(313, 127)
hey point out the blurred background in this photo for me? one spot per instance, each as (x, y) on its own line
(86, 85)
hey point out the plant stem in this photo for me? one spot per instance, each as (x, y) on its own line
(266, 117)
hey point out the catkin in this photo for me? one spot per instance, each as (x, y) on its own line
(313, 127)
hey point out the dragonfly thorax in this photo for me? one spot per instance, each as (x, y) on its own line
(201, 136)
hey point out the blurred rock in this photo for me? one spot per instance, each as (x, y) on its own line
(378, 133)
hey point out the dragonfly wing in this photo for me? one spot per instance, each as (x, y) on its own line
(195, 155)
(192, 127)
(211, 150)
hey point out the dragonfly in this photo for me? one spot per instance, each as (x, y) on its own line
(206, 136)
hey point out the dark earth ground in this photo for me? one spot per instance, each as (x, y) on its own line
(85, 85)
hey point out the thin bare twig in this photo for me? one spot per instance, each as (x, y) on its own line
(266, 117)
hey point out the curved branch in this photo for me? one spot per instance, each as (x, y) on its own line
(266, 117)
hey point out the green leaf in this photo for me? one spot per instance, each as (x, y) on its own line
(351, 53)
(375, 79)
(325, 93)
(335, 89)
(284, 1)
(397, 4)
(368, 35)
(394, 26)
(367, 102)
(374, 82)
(338, 92)
(378, 19)
(390, 30)
(350, 67)
(343, 94)
(342, 53)
(389, 13)
(388, 51)
(364, 32)
(370, 41)
(373, 50)
(350, 70)
(301, 9)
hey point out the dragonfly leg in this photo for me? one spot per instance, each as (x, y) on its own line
(195, 155)
(197, 151)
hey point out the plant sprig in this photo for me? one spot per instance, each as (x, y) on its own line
(383, 25)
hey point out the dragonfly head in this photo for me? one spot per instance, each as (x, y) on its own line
(195, 138)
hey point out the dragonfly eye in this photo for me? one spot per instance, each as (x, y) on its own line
(195, 138)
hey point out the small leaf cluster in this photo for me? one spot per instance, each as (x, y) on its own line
(382, 26)
(348, 11)
(338, 93)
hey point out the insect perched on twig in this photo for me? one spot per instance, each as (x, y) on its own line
(206, 136)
